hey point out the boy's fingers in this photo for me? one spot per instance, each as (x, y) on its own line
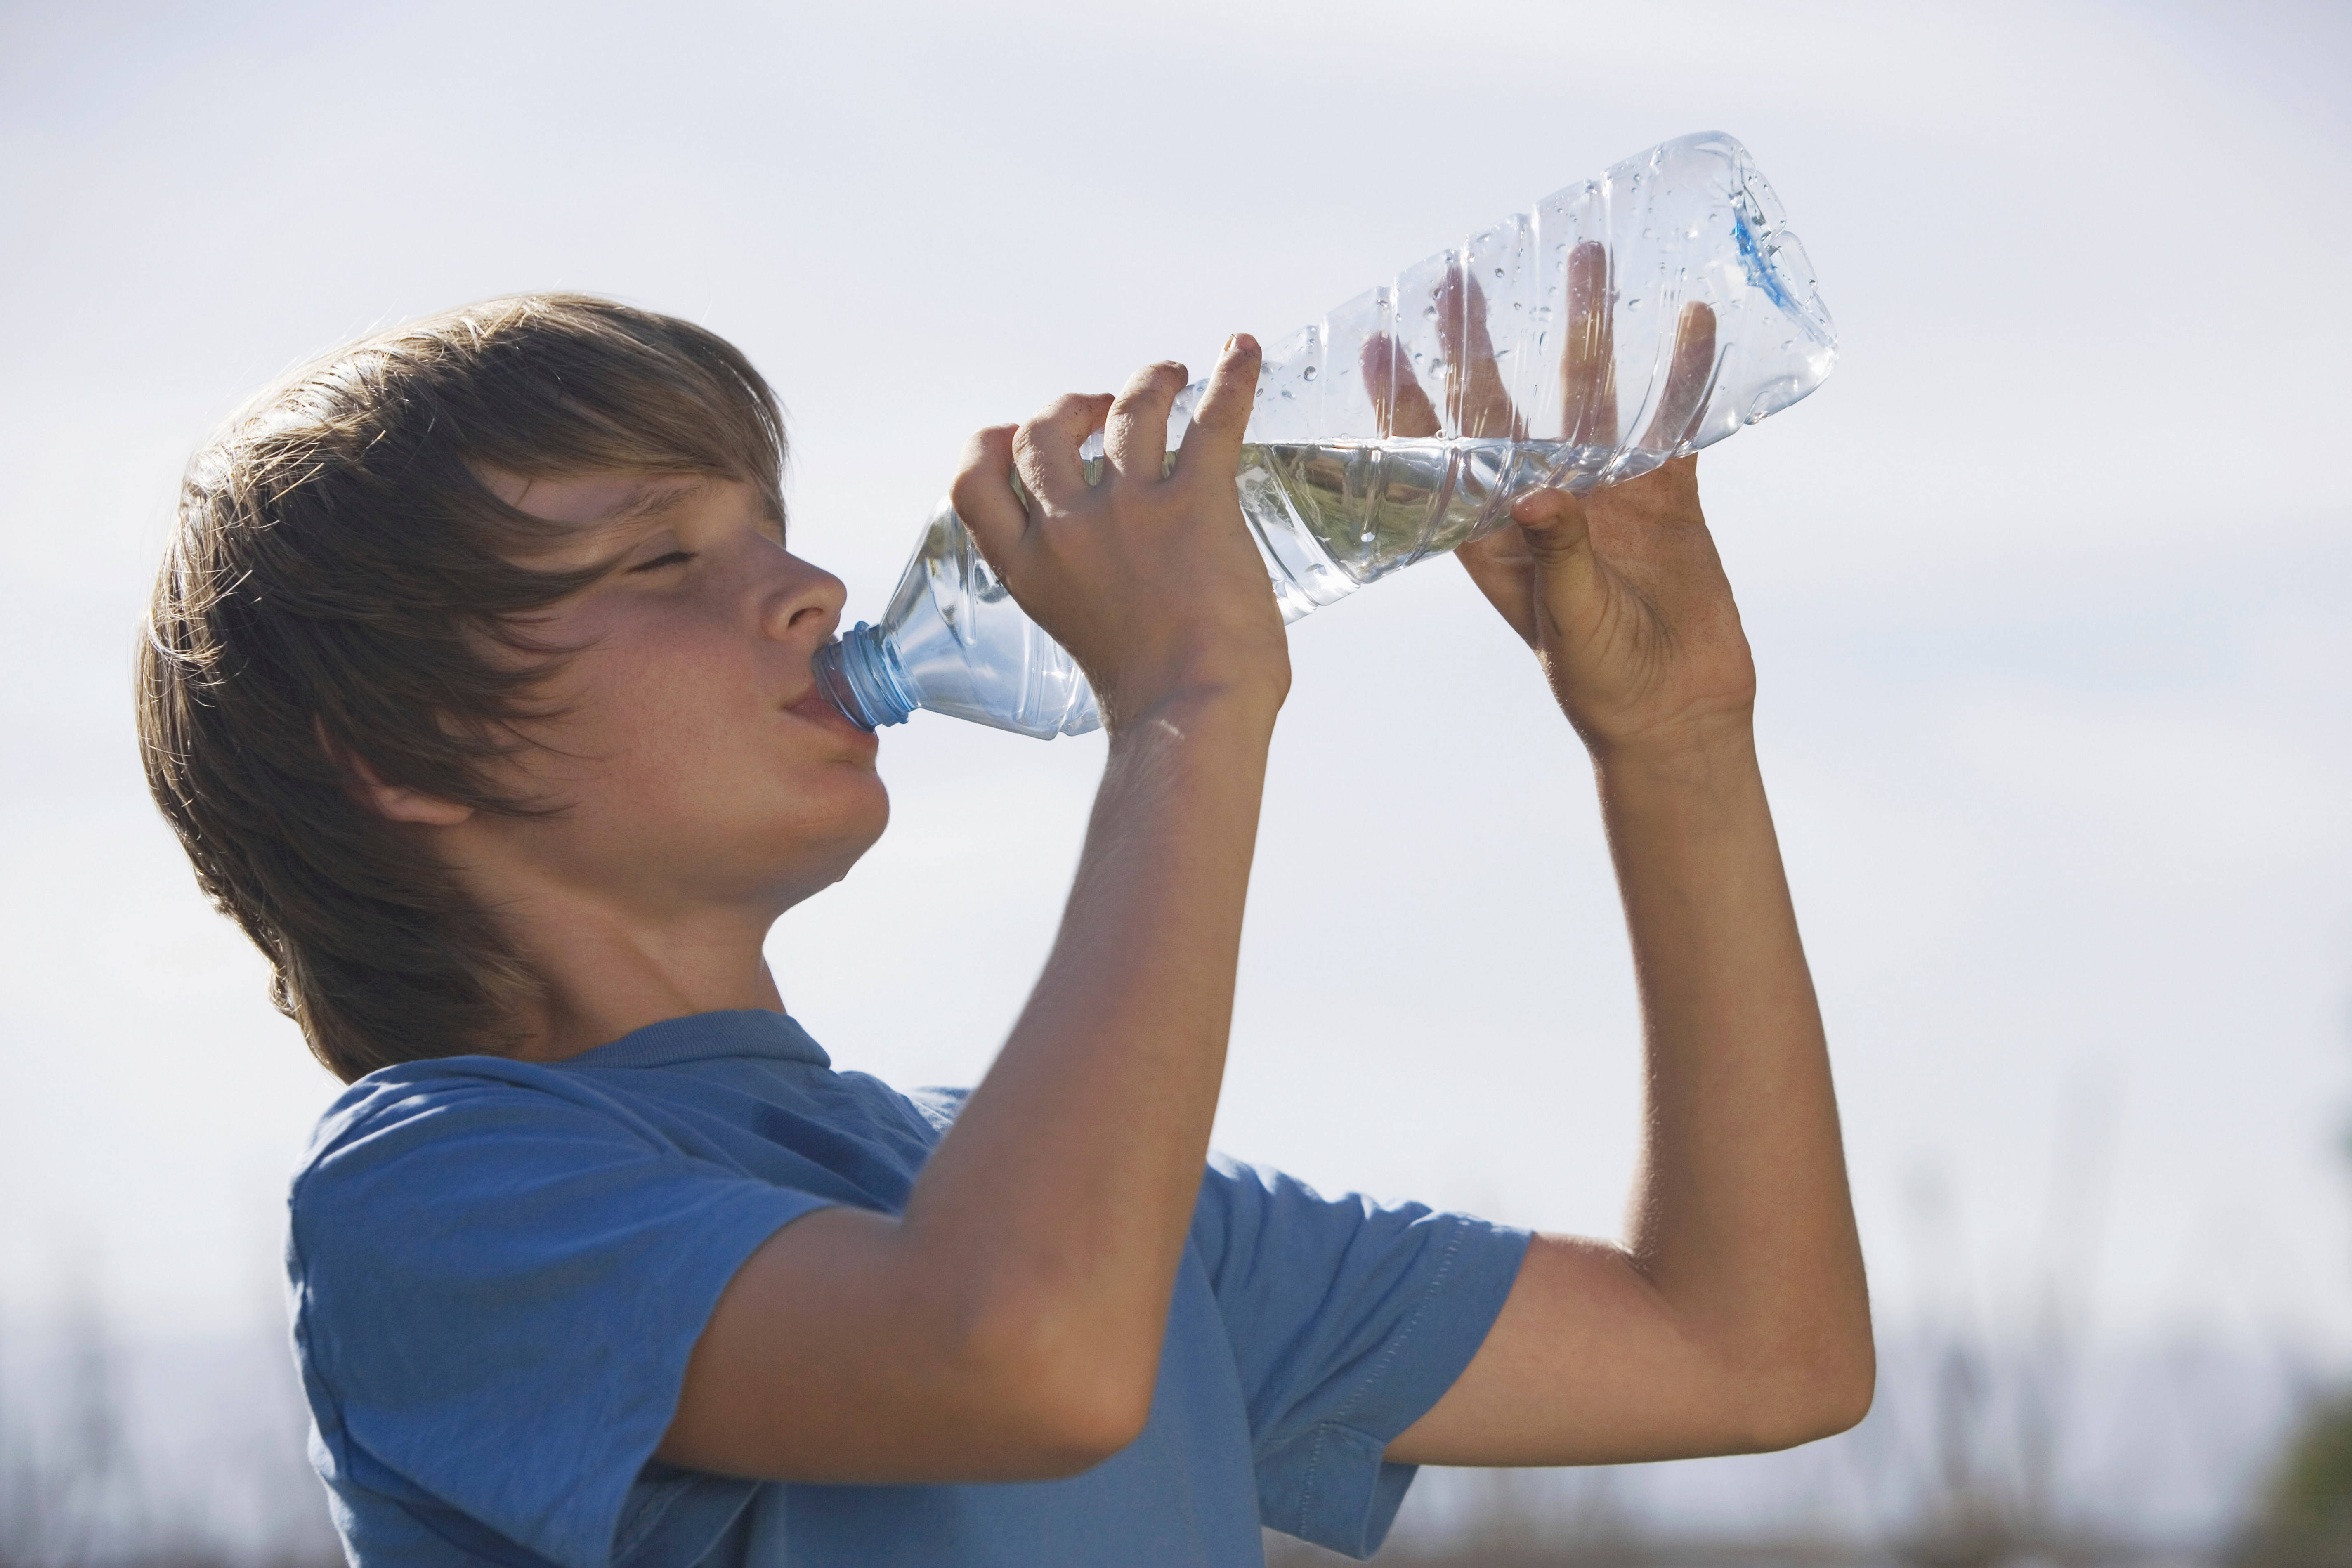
(1688, 380)
(1046, 449)
(1474, 395)
(1214, 441)
(982, 495)
(1400, 407)
(1135, 434)
(1587, 360)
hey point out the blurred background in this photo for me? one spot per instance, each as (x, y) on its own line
(2048, 587)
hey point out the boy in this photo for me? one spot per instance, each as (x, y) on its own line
(477, 687)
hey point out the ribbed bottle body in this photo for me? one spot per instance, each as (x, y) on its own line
(1691, 222)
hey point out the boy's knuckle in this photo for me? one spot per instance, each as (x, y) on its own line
(1069, 406)
(1154, 380)
(987, 448)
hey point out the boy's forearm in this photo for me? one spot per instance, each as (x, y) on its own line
(1741, 1213)
(1063, 1196)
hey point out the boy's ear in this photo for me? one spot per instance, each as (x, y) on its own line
(393, 803)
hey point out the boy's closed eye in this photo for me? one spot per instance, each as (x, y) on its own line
(671, 558)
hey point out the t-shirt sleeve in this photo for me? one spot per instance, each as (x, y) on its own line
(1348, 1320)
(496, 1287)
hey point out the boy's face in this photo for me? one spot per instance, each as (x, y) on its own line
(696, 760)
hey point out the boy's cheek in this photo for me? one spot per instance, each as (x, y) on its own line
(669, 718)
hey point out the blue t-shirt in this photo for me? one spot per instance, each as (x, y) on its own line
(497, 1270)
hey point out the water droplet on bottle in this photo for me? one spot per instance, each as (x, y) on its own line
(1308, 373)
(1498, 272)
(1635, 303)
(1365, 537)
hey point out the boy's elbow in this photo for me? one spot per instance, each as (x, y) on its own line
(1812, 1398)
(1075, 1437)
(1061, 1401)
(1065, 1422)
(1832, 1403)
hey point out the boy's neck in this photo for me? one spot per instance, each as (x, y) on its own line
(570, 1024)
(604, 973)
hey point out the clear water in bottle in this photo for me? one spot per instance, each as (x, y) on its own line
(1644, 313)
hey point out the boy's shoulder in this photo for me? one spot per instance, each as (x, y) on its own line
(436, 1093)
(437, 1097)
(404, 1134)
(678, 1099)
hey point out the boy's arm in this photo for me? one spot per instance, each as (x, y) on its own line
(1009, 1324)
(1735, 1316)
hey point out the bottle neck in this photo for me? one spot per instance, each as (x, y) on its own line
(859, 673)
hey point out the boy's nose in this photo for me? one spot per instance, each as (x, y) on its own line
(808, 603)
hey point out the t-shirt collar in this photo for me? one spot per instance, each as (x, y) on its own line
(748, 1032)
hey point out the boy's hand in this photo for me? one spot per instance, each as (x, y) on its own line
(1620, 591)
(1148, 578)
(1623, 597)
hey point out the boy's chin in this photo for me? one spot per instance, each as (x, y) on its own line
(871, 835)
(808, 863)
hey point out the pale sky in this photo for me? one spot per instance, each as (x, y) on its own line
(2048, 584)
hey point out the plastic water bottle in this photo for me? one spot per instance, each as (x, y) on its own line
(1637, 316)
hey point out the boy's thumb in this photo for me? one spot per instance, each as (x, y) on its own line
(1553, 524)
(1567, 588)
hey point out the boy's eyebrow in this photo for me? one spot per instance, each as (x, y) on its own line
(629, 506)
(596, 501)
(652, 499)
(646, 504)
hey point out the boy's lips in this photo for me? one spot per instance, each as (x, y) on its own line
(816, 708)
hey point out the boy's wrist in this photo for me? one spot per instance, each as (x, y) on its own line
(1699, 753)
(1229, 711)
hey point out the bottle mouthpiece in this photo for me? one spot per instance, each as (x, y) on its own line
(858, 674)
